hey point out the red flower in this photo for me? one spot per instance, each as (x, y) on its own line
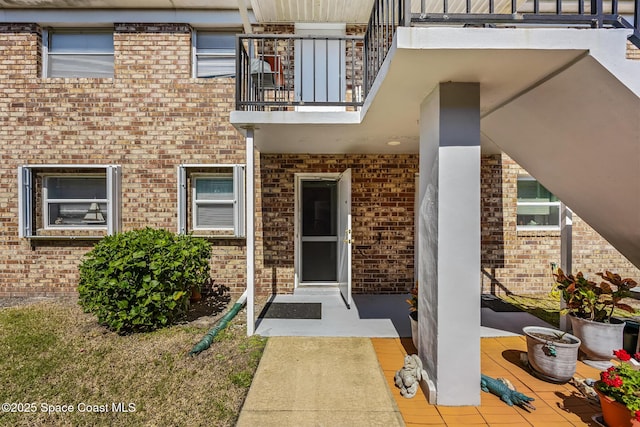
(611, 380)
(621, 382)
(637, 356)
(622, 355)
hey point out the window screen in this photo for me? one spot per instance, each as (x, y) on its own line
(75, 201)
(537, 206)
(213, 200)
(80, 54)
(215, 54)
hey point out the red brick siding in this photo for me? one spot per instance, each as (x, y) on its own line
(159, 51)
(633, 52)
(153, 116)
(20, 54)
(521, 261)
(149, 118)
(382, 205)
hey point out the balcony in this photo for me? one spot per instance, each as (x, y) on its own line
(309, 73)
(328, 72)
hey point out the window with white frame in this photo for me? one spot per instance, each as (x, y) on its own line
(78, 53)
(72, 198)
(211, 200)
(538, 208)
(215, 54)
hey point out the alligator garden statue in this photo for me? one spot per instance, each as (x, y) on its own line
(505, 391)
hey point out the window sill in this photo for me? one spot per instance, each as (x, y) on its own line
(94, 80)
(218, 236)
(538, 233)
(68, 234)
(65, 237)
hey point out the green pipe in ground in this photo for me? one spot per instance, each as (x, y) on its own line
(206, 341)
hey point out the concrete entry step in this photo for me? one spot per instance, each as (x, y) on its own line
(316, 290)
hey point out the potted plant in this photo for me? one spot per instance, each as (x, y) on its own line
(413, 314)
(552, 354)
(590, 306)
(619, 391)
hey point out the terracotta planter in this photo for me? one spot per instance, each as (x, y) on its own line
(413, 318)
(599, 340)
(195, 295)
(615, 414)
(550, 360)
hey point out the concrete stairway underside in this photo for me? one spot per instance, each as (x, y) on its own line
(578, 133)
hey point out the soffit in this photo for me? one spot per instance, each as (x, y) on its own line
(274, 11)
(121, 4)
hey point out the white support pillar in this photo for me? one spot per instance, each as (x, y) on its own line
(449, 242)
(566, 251)
(251, 237)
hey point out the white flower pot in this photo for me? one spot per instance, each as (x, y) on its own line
(599, 340)
(550, 360)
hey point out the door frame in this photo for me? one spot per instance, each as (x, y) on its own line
(299, 177)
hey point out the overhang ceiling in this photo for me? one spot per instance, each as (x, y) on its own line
(288, 11)
(274, 11)
(268, 11)
(121, 4)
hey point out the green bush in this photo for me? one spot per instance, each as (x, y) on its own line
(141, 280)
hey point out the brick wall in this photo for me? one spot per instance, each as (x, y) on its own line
(152, 116)
(383, 191)
(521, 261)
(633, 52)
(20, 51)
(149, 118)
(159, 51)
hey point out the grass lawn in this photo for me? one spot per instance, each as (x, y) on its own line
(52, 354)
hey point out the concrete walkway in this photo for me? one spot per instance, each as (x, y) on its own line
(376, 316)
(319, 381)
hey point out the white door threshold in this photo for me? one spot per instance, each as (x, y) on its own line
(317, 290)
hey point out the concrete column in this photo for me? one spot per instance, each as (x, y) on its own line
(449, 242)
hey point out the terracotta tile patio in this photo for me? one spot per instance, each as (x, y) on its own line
(556, 404)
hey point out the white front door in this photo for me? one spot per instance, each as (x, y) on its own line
(323, 231)
(344, 245)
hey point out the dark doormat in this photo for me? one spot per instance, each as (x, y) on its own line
(292, 310)
(496, 304)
